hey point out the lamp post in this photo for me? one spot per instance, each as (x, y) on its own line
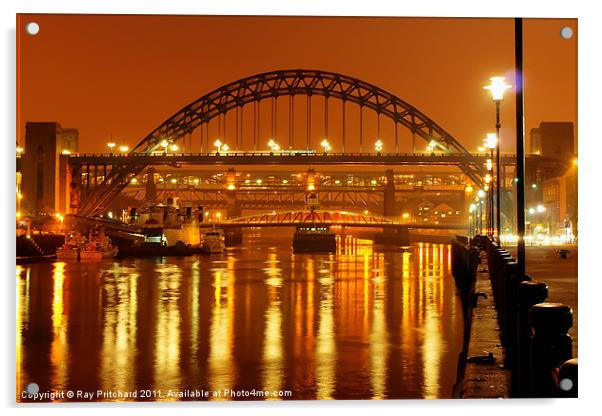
(491, 142)
(218, 144)
(325, 145)
(111, 145)
(378, 146)
(164, 145)
(497, 87)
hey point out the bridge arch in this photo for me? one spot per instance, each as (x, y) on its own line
(296, 82)
(272, 85)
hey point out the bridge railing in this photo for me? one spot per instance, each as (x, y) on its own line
(538, 349)
(299, 153)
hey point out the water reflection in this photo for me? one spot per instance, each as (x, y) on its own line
(359, 324)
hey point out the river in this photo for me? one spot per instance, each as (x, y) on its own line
(255, 323)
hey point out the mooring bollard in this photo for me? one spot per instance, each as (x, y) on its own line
(529, 293)
(551, 346)
(509, 269)
(567, 379)
(509, 330)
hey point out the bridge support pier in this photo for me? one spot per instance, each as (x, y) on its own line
(393, 236)
(389, 208)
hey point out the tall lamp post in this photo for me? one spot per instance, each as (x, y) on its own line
(491, 142)
(497, 87)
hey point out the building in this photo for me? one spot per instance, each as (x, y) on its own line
(560, 199)
(45, 182)
(554, 140)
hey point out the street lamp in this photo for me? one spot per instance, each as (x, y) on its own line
(174, 147)
(497, 87)
(164, 145)
(218, 144)
(325, 145)
(124, 149)
(378, 146)
(491, 143)
(111, 145)
(225, 147)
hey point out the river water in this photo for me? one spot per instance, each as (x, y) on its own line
(256, 322)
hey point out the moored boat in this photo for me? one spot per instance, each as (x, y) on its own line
(213, 241)
(314, 239)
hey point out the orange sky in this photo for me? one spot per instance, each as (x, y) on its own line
(124, 75)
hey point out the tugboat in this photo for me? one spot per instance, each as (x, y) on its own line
(95, 248)
(213, 241)
(98, 247)
(314, 239)
(70, 249)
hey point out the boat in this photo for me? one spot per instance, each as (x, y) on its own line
(314, 239)
(168, 224)
(97, 248)
(70, 249)
(213, 241)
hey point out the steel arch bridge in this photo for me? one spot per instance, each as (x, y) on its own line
(272, 85)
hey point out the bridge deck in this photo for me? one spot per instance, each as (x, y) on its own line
(263, 158)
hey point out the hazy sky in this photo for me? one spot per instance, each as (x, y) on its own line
(124, 75)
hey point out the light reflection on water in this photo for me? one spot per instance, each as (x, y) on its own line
(359, 324)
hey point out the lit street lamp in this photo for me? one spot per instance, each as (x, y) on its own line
(164, 145)
(124, 149)
(174, 147)
(497, 87)
(218, 144)
(325, 145)
(491, 143)
(111, 145)
(378, 146)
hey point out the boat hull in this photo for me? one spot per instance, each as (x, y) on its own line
(314, 243)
